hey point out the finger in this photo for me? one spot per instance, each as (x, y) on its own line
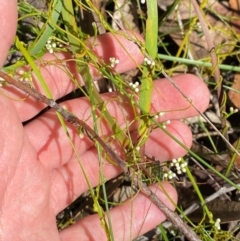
(163, 147)
(129, 220)
(8, 24)
(110, 45)
(53, 144)
(58, 70)
(173, 104)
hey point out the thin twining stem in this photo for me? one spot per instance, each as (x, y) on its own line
(171, 216)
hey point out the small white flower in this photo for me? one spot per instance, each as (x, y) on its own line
(48, 46)
(168, 122)
(165, 175)
(177, 167)
(145, 59)
(21, 72)
(170, 176)
(149, 62)
(217, 223)
(54, 45)
(173, 232)
(138, 148)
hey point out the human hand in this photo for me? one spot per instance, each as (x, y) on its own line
(39, 172)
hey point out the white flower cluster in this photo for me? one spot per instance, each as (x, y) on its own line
(149, 62)
(164, 124)
(134, 86)
(24, 76)
(217, 223)
(51, 45)
(232, 110)
(159, 115)
(169, 175)
(113, 61)
(180, 164)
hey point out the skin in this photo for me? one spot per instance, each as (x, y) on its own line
(39, 174)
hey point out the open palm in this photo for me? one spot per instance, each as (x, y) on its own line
(39, 172)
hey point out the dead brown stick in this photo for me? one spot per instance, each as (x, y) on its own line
(214, 59)
(171, 216)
